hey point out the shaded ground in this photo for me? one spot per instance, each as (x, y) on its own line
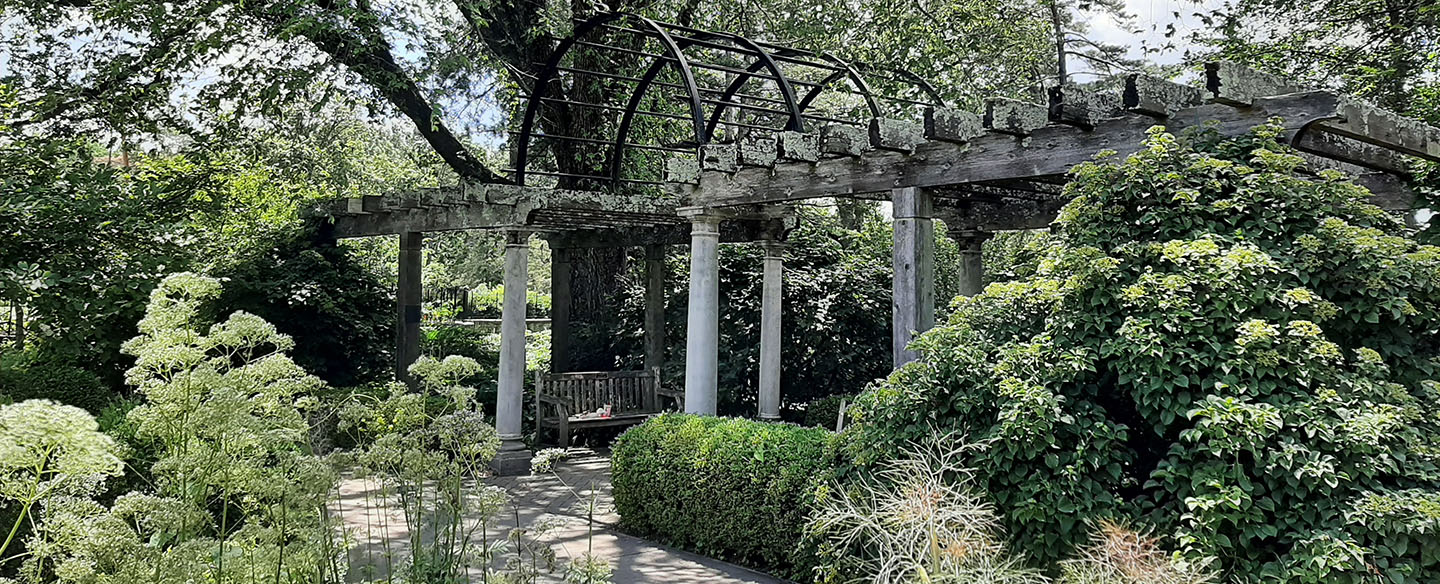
(559, 499)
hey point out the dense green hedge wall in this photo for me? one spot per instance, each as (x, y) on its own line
(25, 377)
(1238, 351)
(727, 488)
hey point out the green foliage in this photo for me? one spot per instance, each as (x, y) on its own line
(1216, 345)
(26, 376)
(825, 411)
(487, 302)
(318, 294)
(48, 450)
(236, 498)
(727, 488)
(428, 459)
(85, 242)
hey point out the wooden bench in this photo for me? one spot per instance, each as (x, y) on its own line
(568, 401)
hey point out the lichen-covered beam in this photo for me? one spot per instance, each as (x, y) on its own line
(489, 206)
(1083, 106)
(1049, 151)
(1014, 117)
(1157, 97)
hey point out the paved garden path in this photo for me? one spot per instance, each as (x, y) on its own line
(560, 498)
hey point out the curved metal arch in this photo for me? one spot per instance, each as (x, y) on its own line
(855, 79)
(552, 66)
(766, 60)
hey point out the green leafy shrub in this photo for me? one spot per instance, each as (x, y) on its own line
(487, 302)
(727, 488)
(1216, 345)
(824, 412)
(27, 377)
(339, 313)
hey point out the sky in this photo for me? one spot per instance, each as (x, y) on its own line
(1152, 17)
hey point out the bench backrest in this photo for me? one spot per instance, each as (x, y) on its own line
(587, 391)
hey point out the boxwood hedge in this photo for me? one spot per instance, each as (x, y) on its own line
(727, 488)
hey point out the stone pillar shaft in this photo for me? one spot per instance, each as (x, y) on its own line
(510, 397)
(408, 299)
(914, 260)
(512, 337)
(560, 300)
(702, 352)
(654, 306)
(770, 328)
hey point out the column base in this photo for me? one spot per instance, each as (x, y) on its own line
(512, 460)
(766, 418)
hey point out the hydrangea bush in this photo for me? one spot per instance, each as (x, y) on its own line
(1220, 343)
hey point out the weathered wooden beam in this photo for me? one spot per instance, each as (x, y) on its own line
(731, 231)
(799, 146)
(682, 169)
(1014, 117)
(1050, 151)
(719, 157)
(1384, 128)
(1157, 97)
(952, 125)
(1333, 147)
(506, 205)
(1006, 215)
(1238, 85)
(758, 149)
(1082, 106)
(441, 219)
(897, 135)
(844, 140)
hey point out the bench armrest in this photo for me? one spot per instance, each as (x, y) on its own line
(561, 407)
(676, 395)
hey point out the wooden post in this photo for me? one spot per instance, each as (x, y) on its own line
(654, 307)
(914, 260)
(407, 298)
(560, 300)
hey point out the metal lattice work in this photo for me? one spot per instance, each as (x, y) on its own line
(624, 94)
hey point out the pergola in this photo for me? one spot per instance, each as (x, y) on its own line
(716, 135)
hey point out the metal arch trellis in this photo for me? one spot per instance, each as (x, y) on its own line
(767, 64)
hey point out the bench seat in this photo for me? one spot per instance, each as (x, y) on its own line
(566, 401)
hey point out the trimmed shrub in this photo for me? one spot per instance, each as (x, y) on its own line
(1218, 345)
(824, 412)
(24, 378)
(727, 488)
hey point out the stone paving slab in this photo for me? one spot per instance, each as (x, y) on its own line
(561, 499)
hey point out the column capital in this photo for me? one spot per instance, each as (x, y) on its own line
(774, 247)
(515, 236)
(970, 240)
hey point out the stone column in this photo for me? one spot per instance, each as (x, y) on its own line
(560, 298)
(513, 458)
(702, 334)
(972, 269)
(914, 260)
(654, 306)
(770, 318)
(408, 297)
